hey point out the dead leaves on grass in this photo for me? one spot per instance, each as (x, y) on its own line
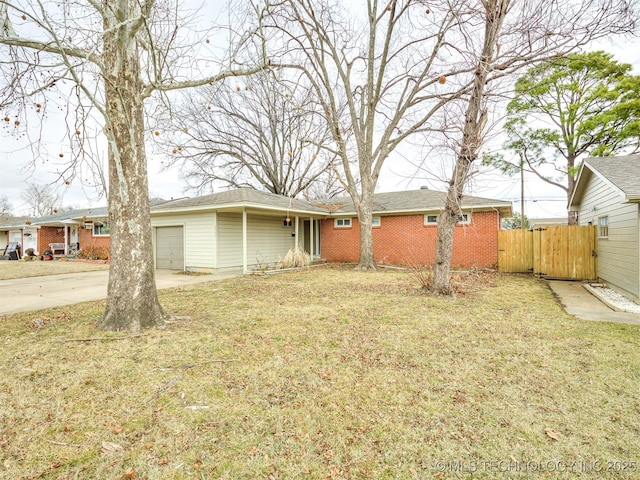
(552, 434)
(40, 322)
(326, 375)
(111, 447)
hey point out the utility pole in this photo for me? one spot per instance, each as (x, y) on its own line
(521, 191)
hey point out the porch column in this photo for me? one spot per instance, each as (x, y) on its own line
(244, 240)
(296, 241)
(311, 238)
(66, 240)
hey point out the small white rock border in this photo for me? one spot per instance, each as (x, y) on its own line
(611, 298)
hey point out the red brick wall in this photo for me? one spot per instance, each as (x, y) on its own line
(404, 239)
(47, 235)
(86, 239)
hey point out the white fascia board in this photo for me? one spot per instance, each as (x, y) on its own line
(227, 206)
(420, 210)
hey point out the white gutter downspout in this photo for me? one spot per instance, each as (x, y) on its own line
(244, 241)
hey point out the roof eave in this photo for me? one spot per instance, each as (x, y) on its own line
(227, 206)
(410, 211)
(578, 188)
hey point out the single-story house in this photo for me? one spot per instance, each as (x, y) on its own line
(70, 229)
(245, 228)
(607, 194)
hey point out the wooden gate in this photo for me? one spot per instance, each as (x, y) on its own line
(551, 252)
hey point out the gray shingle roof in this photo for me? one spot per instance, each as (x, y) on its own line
(411, 200)
(623, 172)
(392, 202)
(417, 200)
(59, 217)
(239, 196)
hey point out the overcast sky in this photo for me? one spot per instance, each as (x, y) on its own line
(542, 200)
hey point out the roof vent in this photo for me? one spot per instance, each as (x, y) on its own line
(424, 187)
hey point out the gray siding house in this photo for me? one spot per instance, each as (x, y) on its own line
(607, 195)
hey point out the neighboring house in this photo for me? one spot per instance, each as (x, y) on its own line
(245, 227)
(549, 222)
(607, 194)
(78, 228)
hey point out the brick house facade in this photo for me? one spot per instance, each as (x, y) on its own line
(409, 240)
(47, 235)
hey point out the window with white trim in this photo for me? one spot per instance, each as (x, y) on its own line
(465, 218)
(431, 219)
(603, 227)
(376, 222)
(342, 222)
(101, 228)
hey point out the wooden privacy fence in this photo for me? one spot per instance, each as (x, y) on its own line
(553, 252)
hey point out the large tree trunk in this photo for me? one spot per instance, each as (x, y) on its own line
(571, 183)
(366, 260)
(364, 207)
(447, 223)
(475, 119)
(132, 301)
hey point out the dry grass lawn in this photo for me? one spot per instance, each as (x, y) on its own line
(21, 269)
(327, 373)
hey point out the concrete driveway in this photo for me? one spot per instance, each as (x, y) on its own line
(35, 293)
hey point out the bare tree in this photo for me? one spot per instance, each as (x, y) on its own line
(42, 199)
(6, 209)
(380, 73)
(257, 132)
(515, 34)
(112, 55)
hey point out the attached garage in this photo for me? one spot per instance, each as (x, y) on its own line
(232, 229)
(170, 248)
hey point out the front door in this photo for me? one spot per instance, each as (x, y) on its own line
(15, 236)
(74, 234)
(30, 239)
(307, 237)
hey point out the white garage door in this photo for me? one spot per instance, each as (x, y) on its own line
(170, 248)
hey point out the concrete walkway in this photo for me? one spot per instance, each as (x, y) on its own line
(35, 293)
(579, 302)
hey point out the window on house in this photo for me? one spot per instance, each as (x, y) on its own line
(603, 227)
(430, 219)
(101, 228)
(433, 219)
(375, 222)
(342, 222)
